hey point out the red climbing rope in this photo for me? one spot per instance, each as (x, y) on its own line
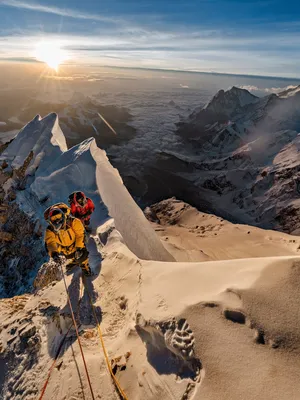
(54, 363)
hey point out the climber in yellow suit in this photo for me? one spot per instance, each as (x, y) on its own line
(65, 235)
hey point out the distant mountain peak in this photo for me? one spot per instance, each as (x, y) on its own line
(231, 100)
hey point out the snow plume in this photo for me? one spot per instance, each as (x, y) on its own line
(280, 123)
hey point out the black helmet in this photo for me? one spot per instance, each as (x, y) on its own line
(57, 219)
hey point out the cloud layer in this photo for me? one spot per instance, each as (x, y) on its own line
(152, 41)
(252, 88)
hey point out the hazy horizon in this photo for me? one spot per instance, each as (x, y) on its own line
(32, 61)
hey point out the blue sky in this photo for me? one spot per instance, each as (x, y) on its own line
(260, 37)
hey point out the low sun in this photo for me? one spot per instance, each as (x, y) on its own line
(50, 53)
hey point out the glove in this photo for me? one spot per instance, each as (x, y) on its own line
(78, 253)
(81, 254)
(55, 257)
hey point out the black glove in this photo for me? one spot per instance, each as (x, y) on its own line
(78, 253)
(81, 254)
(55, 256)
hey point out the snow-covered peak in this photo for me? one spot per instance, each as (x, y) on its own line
(230, 101)
(41, 138)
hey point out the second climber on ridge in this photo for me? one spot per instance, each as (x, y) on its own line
(82, 207)
(65, 236)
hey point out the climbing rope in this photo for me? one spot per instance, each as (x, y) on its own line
(115, 380)
(77, 333)
(59, 350)
(53, 364)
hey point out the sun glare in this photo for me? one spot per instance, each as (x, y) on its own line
(50, 53)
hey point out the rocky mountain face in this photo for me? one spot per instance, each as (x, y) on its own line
(239, 158)
(19, 235)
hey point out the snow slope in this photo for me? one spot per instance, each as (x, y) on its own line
(178, 330)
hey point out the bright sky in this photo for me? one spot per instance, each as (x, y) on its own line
(260, 37)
